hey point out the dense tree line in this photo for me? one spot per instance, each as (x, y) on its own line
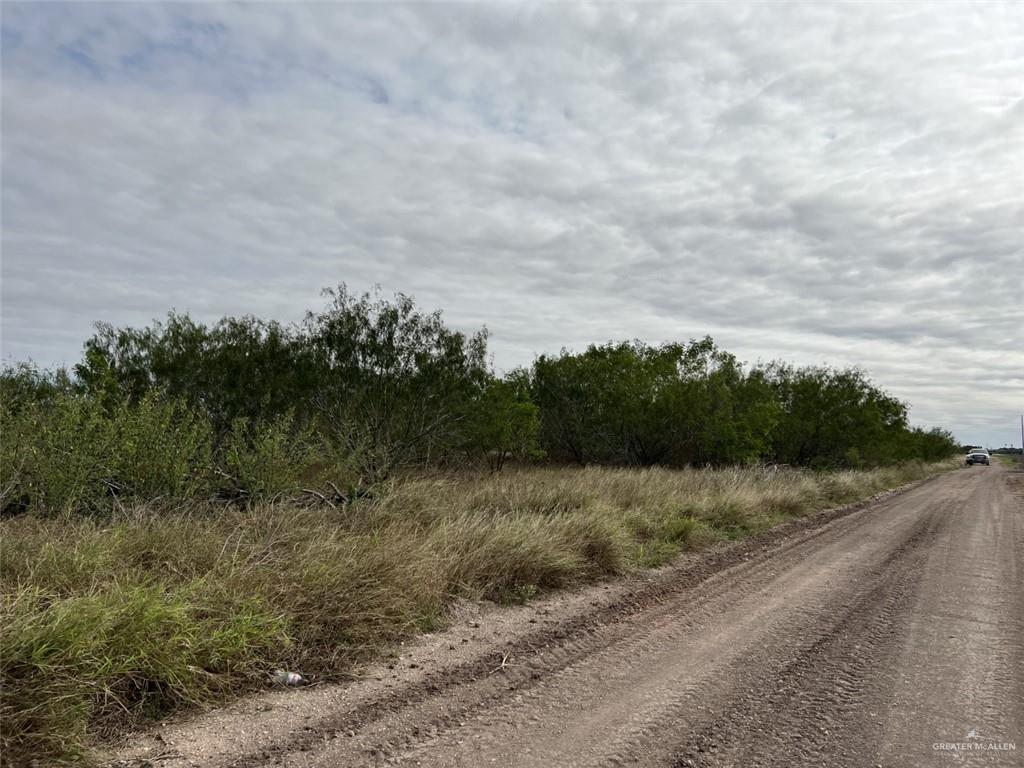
(368, 385)
(695, 404)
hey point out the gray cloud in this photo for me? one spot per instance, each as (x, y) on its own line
(820, 183)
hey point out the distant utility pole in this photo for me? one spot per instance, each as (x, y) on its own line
(1022, 435)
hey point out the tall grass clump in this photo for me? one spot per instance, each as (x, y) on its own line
(81, 663)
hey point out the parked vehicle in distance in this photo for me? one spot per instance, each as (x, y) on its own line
(978, 456)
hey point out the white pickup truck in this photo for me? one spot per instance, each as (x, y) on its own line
(978, 456)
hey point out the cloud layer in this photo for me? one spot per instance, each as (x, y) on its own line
(822, 184)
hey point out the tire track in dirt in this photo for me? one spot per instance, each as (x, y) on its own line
(815, 705)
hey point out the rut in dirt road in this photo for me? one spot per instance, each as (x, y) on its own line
(891, 635)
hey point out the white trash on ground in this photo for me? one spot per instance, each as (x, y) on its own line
(288, 678)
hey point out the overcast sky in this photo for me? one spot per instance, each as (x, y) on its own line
(839, 185)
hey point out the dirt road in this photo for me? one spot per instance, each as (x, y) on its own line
(886, 635)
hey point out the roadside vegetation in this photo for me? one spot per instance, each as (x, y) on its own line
(109, 621)
(1009, 458)
(193, 506)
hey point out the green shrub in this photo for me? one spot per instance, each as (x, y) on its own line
(59, 456)
(73, 455)
(161, 449)
(268, 458)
